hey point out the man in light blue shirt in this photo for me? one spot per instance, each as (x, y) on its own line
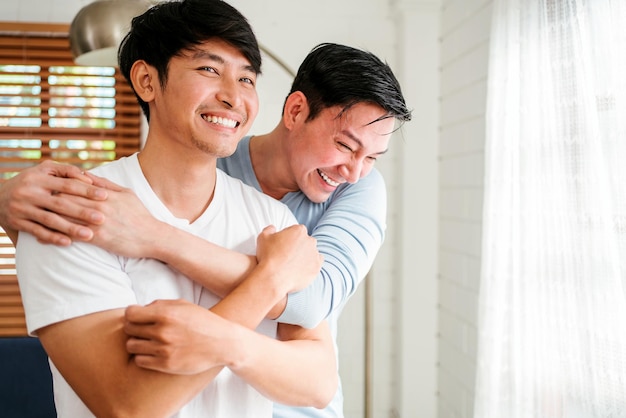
(338, 118)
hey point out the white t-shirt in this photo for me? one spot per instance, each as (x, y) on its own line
(59, 283)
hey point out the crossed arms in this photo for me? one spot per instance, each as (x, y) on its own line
(116, 376)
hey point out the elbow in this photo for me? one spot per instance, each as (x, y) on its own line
(326, 393)
(313, 318)
(311, 323)
(318, 394)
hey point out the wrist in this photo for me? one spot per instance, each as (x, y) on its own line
(236, 355)
(163, 245)
(268, 282)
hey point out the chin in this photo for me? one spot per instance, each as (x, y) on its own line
(226, 151)
(317, 197)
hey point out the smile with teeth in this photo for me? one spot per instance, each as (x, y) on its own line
(327, 179)
(229, 123)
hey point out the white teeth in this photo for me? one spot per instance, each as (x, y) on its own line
(327, 179)
(229, 123)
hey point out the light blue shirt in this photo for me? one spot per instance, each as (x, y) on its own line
(349, 228)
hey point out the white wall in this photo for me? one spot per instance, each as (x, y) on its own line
(422, 290)
(465, 28)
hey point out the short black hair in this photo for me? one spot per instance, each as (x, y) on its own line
(340, 75)
(170, 27)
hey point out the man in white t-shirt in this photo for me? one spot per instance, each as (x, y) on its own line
(193, 66)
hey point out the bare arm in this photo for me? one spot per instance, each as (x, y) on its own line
(96, 344)
(89, 351)
(349, 235)
(130, 230)
(168, 337)
(58, 203)
(30, 202)
(299, 370)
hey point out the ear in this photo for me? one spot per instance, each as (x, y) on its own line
(145, 80)
(296, 109)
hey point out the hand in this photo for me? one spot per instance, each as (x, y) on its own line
(32, 202)
(292, 255)
(129, 228)
(178, 337)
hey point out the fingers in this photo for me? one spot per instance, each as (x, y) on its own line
(153, 356)
(149, 362)
(162, 310)
(104, 183)
(56, 169)
(36, 201)
(72, 207)
(140, 314)
(62, 178)
(76, 187)
(147, 354)
(47, 236)
(139, 323)
(270, 229)
(50, 228)
(145, 341)
(142, 330)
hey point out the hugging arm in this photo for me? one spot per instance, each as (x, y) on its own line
(299, 369)
(349, 235)
(109, 371)
(131, 231)
(348, 239)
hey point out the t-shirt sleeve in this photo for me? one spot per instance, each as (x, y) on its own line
(59, 283)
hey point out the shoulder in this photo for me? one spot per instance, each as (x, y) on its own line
(254, 202)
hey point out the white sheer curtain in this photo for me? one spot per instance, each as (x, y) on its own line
(552, 310)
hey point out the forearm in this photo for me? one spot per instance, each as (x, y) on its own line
(218, 269)
(250, 302)
(349, 235)
(104, 375)
(298, 372)
(331, 289)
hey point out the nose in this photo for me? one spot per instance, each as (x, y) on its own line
(228, 93)
(352, 170)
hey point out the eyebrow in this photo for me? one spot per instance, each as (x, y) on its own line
(358, 141)
(200, 54)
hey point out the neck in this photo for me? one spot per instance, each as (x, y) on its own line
(184, 180)
(271, 163)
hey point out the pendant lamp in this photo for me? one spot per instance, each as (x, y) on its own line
(98, 28)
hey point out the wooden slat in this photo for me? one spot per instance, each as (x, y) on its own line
(32, 27)
(12, 320)
(47, 45)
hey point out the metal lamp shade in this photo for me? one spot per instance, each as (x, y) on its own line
(98, 29)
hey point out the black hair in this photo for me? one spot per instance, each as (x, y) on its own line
(339, 75)
(171, 27)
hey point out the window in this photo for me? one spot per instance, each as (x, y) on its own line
(53, 109)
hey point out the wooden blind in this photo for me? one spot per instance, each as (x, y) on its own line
(53, 109)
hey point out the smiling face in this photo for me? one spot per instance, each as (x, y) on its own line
(209, 100)
(330, 150)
